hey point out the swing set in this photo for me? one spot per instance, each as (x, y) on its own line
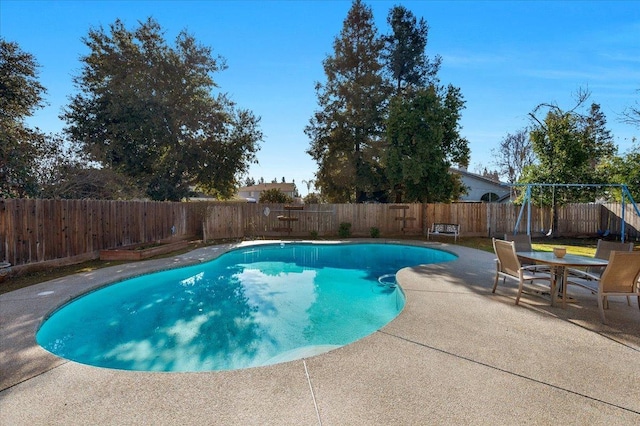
(526, 203)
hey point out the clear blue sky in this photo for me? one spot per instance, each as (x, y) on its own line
(506, 57)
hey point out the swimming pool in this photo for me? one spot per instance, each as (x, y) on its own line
(252, 306)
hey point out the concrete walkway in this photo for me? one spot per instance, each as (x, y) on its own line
(457, 354)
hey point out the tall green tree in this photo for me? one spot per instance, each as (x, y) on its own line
(146, 109)
(624, 169)
(346, 132)
(405, 51)
(569, 147)
(423, 130)
(21, 94)
(424, 140)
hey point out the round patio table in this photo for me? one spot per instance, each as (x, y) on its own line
(559, 268)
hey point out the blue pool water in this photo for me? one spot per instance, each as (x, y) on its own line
(252, 306)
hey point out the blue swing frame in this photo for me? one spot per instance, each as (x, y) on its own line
(527, 201)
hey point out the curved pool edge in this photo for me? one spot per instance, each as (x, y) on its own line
(43, 299)
(67, 342)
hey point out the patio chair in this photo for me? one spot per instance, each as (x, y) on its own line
(603, 251)
(508, 266)
(620, 278)
(522, 241)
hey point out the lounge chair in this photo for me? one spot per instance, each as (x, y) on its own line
(620, 278)
(508, 266)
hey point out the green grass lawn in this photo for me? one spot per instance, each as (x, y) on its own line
(588, 251)
(578, 246)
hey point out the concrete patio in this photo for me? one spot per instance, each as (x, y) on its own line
(457, 354)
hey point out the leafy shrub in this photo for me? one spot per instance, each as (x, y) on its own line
(275, 195)
(344, 231)
(312, 198)
(313, 235)
(374, 232)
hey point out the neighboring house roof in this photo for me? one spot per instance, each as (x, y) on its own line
(479, 186)
(284, 187)
(252, 193)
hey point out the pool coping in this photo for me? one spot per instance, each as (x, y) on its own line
(474, 332)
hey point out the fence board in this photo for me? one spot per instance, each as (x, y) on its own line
(224, 221)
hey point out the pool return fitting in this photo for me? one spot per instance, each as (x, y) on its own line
(384, 281)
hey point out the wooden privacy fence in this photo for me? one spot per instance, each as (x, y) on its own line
(475, 219)
(278, 220)
(42, 230)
